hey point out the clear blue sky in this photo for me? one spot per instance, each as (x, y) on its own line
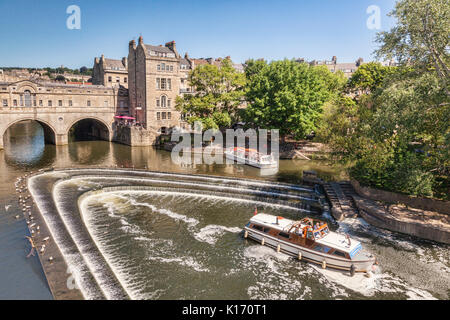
(34, 32)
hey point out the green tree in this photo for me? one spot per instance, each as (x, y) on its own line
(397, 137)
(369, 77)
(218, 91)
(421, 36)
(288, 96)
(253, 67)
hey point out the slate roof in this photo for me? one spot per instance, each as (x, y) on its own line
(161, 49)
(114, 64)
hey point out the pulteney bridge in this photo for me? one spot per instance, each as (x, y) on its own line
(58, 122)
(58, 109)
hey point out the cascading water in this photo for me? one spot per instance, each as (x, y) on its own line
(175, 236)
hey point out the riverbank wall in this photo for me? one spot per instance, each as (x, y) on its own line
(392, 197)
(378, 216)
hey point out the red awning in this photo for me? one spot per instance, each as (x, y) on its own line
(124, 117)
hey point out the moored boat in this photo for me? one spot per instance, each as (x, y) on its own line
(251, 157)
(310, 240)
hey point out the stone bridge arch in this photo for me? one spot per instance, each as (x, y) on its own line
(50, 133)
(57, 124)
(92, 126)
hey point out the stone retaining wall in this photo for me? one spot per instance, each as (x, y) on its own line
(133, 136)
(376, 215)
(392, 197)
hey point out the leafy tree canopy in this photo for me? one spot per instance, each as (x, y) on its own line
(421, 36)
(369, 77)
(288, 96)
(218, 91)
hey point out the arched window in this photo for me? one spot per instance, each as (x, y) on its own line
(27, 96)
(163, 101)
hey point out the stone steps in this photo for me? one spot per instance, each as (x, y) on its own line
(340, 194)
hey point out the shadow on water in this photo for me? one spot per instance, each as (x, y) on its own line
(25, 146)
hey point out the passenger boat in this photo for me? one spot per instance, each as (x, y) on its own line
(251, 157)
(310, 240)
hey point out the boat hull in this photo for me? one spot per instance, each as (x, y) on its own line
(310, 255)
(250, 162)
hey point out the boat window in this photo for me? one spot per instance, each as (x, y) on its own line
(257, 227)
(339, 253)
(355, 251)
(266, 230)
(284, 235)
(322, 249)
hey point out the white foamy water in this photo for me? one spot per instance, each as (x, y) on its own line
(211, 233)
(95, 266)
(182, 261)
(274, 275)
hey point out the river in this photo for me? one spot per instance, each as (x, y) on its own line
(147, 243)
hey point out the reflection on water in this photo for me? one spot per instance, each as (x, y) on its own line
(25, 146)
(25, 149)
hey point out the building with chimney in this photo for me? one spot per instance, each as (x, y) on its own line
(110, 72)
(334, 66)
(157, 75)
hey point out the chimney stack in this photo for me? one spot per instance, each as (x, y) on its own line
(132, 45)
(359, 62)
(141, 40)
(125, 62)
(172, 46)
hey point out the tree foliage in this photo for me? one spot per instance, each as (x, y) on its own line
(287, 95)
(421, 36)
(218, 91)
(369, 77)
(397, 137)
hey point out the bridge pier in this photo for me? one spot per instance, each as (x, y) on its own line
(62, 139)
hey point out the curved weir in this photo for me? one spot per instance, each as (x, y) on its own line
(131, 234)
(58, 194)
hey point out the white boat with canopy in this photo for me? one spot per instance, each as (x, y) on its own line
(310, 240)
(251, 157)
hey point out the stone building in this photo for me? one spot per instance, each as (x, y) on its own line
(144, 85)
(110, 72)
(347, 68)
(58, 107)
(28, 93)
(157, 75)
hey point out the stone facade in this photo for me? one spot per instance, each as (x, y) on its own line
(144, 85)
(157, 75)
(110, 72)
(57, 107)
(347, 68)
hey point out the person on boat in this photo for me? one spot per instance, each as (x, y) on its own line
(317, 226)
